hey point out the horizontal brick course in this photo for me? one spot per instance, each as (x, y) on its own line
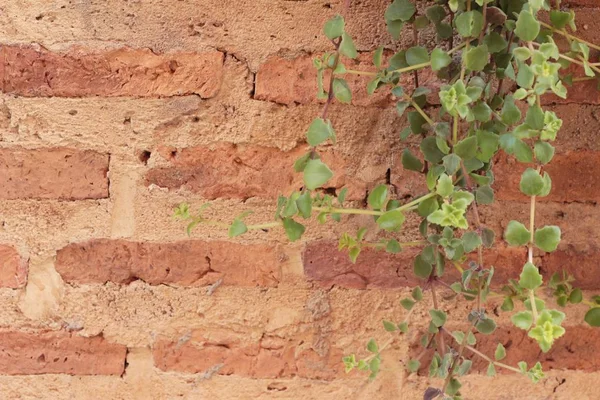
(269, 358)
(53, 173)
(13, 268)
(23, 353)
(34, 72)
(186, 263)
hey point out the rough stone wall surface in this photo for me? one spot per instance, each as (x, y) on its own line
(113, 112)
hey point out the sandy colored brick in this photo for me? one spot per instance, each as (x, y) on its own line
(13, 268)
(271, 357)
(580, 261)
(228, 170)
(53, 173)
(185, 263)
(32, 353)
(35, 72)
(575, 177)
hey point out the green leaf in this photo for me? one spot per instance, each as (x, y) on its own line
(531, 183)
(304, 204)
(544, 151)
(422, 269)
(416, 122)
(530, 277)
(342, 91)
(469, 24)
(436, 14)
(451, 163)
(560, 19)
(466, 148)
(430, 150)
(491, 370)
(535, 117)
(464, 367)
(525, 76)
(407, 304)
(486, 326)
(471, 241)
(377, 55)
(438, 317)
(547, 238)
(389, 326)
(417, 55)
(453, 387)
(347, 47)
(417, 294)
(372, 346)
(592, 317)
(476, 58)
(523, 320)
(413, 365)
(528, 27)
(403, 327)
(318, 132)
(378, 197)
(391, 221)
(576, 296)
(334, 28)
(316, 173)
(487, 237)
(393, 246)
(439, 59)
(516, 234)
(237, 228)
(293, 229)
(484, 195)
(495, 42)
(428, 206)
(510, 112)
(400, 10)
(401, 106)
(522, 151)
(500, 352)
(410, 161)
(444, 186)
(547, 185)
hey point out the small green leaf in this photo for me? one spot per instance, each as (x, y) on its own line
(592, 317)
(444, 186)
(417, 55)
(439, 59)
(576, 296)
(430, 150)
(544, 152)
(466, 148)
(500, 352)
(377, 55)
(476, 58)
(316, 173)
(531, 183)
(304, 204)
(318, 132)
(469, 23)
(413, 365)
(522, 320)
(464, 367)
(389, 326)
(451, 163)
(378, 197)
(347, 47)
(422, 269)
(410, 161)
(516, 234)
(535, 117)
(484, 195)
(403, 327)
(486, 326)
(547, 238)
(391, 220)
(438, 317)
(528, 27)
(372, 346)
(530, 277)
(471, 241)
(407, 304)
(342, 91)
(293, 229)
(392, 246)
(487, 237)
(237, 228)
(417, 294)
(334, 28)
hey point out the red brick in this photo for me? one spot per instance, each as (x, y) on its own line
(580, 3)
(185, 263)
(580, 262)
(53, 173)
(13, 268)
(36, 72)
(268, 358)
(576, 350)
(327, 266)
(23, 353)
(294, 81)
(575, 177)
(236, 171)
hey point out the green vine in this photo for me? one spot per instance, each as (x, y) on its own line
(501, 41)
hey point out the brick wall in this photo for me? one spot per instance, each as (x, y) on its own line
(112, 113)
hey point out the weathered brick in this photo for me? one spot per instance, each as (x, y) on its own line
(327, 266)
(581, 3)
(294, 81)
(271, 357)
(53, 173)
(574, 177)
(29, 353)
(576, 350)
(243, 171)
(13, 268)
(28, 71)
(186, 263)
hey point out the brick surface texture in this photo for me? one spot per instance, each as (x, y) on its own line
(113, 113)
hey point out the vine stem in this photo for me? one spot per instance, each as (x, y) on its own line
(405, 207)
(530, 253)
(593, 66)
(436, 306)
(566, 34)
(402, 244)
(423, 113)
